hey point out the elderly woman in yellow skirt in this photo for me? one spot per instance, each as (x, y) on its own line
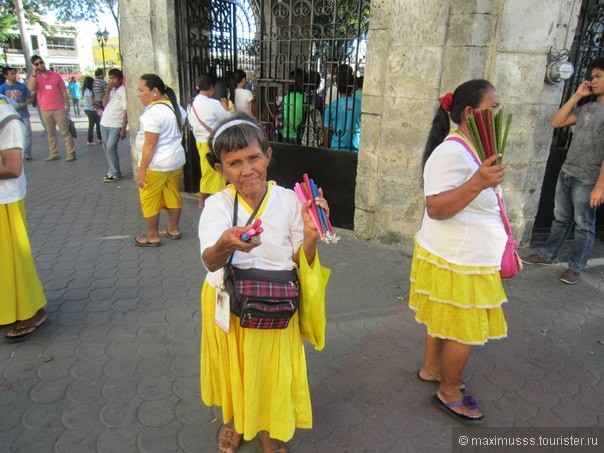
(456, 288)
(257, 376)
(23, 297)
(160, 159)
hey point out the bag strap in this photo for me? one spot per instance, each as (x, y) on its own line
(504, 214)
(205, 126)
(235, 209)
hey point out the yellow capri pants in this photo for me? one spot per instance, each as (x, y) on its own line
(211, 181)
(162, 190)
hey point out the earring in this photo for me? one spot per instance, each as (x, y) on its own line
(155, 94)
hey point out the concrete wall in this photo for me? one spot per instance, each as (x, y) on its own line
(418, 51)
(148, 34)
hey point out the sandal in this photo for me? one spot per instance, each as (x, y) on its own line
(462, 384)
(468, 401)
(263, 437)
(24, 330)
(167, 234)
(228, 439)
(145, 242)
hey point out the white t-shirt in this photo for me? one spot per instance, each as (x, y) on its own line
(11, 136)
(242, 98)
(112, 115)
(476, 235)
(282, 223)
(210, 111)
(160, 119)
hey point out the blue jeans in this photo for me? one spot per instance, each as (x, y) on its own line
(571, 209)
(27, 142)
(111, 137)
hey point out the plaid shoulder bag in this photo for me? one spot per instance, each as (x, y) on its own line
(262, 299)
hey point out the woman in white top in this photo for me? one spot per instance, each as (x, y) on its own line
(160, 159)
(243, 97)
(257, 376)
(456, 288)
(204, 114)
(23, 298)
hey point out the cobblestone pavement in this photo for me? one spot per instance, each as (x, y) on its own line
(116, 369)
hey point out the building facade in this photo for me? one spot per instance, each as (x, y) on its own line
(416, 51)
(67, 51)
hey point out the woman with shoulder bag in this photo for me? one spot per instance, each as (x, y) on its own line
(456, 289)
(257, 374)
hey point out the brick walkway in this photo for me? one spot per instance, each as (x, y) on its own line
(117, 367)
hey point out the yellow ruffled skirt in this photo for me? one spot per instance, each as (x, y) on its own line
(258, 377)
(20, 287)
(461, 303)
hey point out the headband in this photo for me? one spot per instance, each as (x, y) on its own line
(226, 126)
(446, 101)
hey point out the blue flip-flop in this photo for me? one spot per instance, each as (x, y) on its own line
(468, 401)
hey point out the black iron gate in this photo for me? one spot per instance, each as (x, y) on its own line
(587, 45)
(272, 40)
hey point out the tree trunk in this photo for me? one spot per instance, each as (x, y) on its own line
(25, 38)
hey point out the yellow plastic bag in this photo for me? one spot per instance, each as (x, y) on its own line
(313, 282)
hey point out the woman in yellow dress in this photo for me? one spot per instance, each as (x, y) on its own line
(23, 298)
(257, 376)
(456, 288)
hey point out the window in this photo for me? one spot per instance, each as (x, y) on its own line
(60, 43)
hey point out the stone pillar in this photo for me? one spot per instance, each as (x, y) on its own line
(419, 50)
(148, 42)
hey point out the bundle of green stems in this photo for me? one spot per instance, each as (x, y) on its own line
(488, 132)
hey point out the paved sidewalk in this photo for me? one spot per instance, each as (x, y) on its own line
(117, 367)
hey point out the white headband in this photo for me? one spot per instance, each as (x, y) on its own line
(227, 125)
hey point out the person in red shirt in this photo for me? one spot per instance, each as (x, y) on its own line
(54, 105)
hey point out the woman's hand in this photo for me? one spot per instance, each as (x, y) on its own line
(490, 174)
(141, 178)
(216, 256)
(309, 224)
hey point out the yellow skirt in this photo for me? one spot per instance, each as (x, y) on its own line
(258, 377)
(162, 190)
(20, 287)
(461, 303)
(211, 181)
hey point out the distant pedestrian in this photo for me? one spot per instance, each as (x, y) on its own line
(23, 298)
(204, 114)
(580, 186)
(244, 98)
(160, 159)
(342, 119)
(20, 94)
(54, 106)
(114, 123)
(75, 92)
(456, 288)
(94, 120)
(99, 87)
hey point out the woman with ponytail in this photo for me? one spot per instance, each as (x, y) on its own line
(456, 288)
(160, 159)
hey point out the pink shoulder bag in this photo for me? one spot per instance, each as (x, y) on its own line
(511, 264)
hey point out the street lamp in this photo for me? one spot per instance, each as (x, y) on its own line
(102, 37)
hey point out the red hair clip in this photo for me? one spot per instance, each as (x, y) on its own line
(446, 101)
